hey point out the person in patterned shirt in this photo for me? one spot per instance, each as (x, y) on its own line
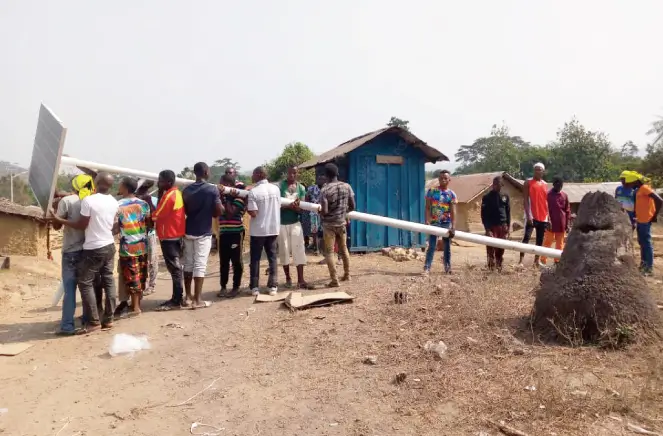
(440, 212)
(133, 222)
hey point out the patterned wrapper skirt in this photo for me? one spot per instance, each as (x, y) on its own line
(134, 272)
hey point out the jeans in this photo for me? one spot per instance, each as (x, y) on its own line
(432, 245)
(646, 247)
(230, 250)
(258, 244)
(171, 251)
(93, 262)
(69, 283)
(336, 235)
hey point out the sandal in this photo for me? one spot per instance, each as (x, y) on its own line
(202, 305)
(305, 286)
(168, 305)
(88, 329)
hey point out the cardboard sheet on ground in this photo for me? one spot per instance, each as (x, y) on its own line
(13, 349)
(262, 298)
(297, 301)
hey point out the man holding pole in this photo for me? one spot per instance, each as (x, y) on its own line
(440, 212)
(496, 219)
(169, 221)
(291, 234)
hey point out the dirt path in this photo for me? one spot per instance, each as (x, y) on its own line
(283, 373)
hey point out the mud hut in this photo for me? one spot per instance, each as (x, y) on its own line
(23, 230)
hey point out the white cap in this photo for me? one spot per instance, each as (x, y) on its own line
(540, 165)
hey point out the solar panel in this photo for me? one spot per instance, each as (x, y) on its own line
(46, 154)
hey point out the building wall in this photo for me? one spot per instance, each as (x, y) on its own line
(21, 236)
(392, 190)
(469, 214)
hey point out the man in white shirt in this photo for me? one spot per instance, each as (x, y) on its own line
(264, 207)
(97, 218)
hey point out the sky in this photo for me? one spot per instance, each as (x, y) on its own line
(156, 84)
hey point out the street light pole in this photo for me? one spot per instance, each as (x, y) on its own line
(11, 184)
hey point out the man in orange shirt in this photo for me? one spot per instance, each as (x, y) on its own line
(647, 206)
(169, 222)
(535, 199)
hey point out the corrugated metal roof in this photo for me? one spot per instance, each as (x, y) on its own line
(575, 191)
(468, 186)
(432, 154)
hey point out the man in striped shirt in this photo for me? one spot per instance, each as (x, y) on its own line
(231, 239)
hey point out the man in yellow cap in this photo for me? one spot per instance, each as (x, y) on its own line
(625, 194)
(647, 206)
(69, 208)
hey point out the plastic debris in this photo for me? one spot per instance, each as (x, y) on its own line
(217, 430)
(127, 344)
(439, 348)
(59, 293)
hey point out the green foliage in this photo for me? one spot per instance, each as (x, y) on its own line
(577, 155)
(498, 152)
(216, 170)
(295, 153)
(22, 193)
(397, 122)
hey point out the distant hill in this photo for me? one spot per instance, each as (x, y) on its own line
(7, 168)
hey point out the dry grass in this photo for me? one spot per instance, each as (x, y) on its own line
(492, 357)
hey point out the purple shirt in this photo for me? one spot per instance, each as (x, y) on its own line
(559, 211)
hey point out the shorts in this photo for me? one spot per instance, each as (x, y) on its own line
(291, 241)
(133, 269)
(196, 253)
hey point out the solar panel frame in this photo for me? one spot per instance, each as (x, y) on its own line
(46, 155)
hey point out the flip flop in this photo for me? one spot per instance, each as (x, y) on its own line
(167, 305)
(88, 329)
(203, 305)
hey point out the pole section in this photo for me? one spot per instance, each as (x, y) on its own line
(359, 216)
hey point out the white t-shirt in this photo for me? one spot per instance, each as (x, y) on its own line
(266, 199)
(102, 210)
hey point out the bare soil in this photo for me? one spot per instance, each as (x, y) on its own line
(303, 373)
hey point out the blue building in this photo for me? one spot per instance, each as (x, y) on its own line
(386, 171)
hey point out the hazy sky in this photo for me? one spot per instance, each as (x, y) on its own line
(162, 84)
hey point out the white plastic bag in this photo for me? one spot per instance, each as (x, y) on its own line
(127, 344)
(58, 295)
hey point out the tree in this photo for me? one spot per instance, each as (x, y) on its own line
(579, 154)
(216, 170)
(397, 122)
(576, 155)
(22, 193)
(498, 152)
(295, 153)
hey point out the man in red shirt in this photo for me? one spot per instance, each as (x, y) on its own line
(559, 211)
(169, 222)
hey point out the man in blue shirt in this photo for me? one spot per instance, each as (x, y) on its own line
(625, 195)
(201, 204)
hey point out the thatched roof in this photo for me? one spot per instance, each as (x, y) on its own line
(467, 187)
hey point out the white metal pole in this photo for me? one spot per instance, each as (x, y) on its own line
(359, 216)
(11, 187)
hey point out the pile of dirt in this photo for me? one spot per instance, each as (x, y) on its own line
(596, 293)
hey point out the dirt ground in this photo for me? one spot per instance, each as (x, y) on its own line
(281, 373)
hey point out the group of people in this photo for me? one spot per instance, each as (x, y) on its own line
(181, 221)
(547, 212)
